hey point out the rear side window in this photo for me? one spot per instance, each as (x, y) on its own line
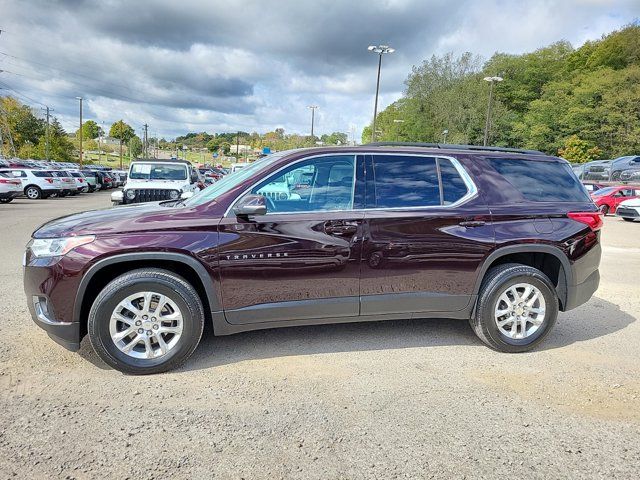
(41, 174)
(453, 186)
(541, 181)
(404, 181)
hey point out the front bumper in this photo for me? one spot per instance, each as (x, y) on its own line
(628, 212)
(66, 334)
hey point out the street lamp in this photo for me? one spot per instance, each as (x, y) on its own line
(313, 114)
(399, 121)
(491, 81)
(80, 98)
(444, 135)
(380, 50)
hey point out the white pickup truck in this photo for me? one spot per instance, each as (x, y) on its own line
(157, 180)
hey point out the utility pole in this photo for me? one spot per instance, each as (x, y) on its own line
(491, 81)
(47, 110)
(146, 148)
(238, 146)
(80, 98)
(313, 114)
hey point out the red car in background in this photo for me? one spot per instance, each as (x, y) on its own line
(607, 199)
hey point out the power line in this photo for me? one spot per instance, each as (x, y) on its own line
(9, 87)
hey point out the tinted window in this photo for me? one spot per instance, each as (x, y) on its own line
(317, 184)
(148, 171)
(404, 181)
(541, 181)
(453, 186)
(41, 174)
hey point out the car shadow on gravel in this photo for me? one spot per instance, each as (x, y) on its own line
(596, 319)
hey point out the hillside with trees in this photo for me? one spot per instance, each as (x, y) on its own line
(583, 103)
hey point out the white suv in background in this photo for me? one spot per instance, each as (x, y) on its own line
(10, 187)
(157, 180)
(629, 210)
(36, 183)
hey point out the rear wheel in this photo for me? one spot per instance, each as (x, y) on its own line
(517, 307)
(146, 321)
(32, 192)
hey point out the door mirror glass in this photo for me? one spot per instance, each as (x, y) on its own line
(251, 205)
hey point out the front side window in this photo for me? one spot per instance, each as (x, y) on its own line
(313, 185)
(43, 174)
(403, 181)
(150, 171)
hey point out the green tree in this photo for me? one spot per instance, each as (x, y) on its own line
(90, 130)
(123, 132)
(135, 147)
(579, 151)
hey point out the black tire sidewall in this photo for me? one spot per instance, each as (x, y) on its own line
(551, 307)
(100, 316)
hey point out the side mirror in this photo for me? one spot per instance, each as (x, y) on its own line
(251, 205)
(186, 195)
(194, 177)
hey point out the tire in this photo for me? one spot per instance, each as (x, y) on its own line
(9, 200)
(496, 282)
(33, 192)
(183, 298)
(604, 209)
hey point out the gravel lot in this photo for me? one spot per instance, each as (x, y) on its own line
(407, 399)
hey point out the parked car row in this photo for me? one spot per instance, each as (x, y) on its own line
(625, 169)
(36, 179)
(621, 200)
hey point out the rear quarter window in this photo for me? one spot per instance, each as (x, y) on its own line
(539, 181)
(38, 173)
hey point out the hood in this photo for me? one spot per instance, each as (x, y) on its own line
(129, 218)
(632, 202)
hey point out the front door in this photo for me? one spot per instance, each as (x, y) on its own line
(301, 260)
(426, 232)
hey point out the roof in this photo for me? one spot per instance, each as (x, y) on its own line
(161, 160)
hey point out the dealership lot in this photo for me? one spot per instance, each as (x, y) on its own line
(397, 399)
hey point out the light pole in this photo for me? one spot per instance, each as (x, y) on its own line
(398, 121)
(313, 116)
(444, 136)
(380, 50)
(80, 98)
(491, 81)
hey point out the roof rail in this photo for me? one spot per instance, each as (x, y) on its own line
(453, 146)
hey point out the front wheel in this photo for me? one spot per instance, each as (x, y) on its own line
(146, 321)
(33, 193)
(517, 307)
(604, 209)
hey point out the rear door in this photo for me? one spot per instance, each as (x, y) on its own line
(426, 232)
(301, 260)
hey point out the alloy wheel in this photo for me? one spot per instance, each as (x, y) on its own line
(32, 193)
(520, 311)
(146, 325)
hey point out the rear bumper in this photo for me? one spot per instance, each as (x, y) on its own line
(15, 194)
(582, 292)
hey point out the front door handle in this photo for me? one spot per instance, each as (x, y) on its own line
(341, 228)
(472, 223)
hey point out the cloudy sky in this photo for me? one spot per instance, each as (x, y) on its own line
(225, 65)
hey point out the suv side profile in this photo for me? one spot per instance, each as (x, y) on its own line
(37, 184)
(383, 232)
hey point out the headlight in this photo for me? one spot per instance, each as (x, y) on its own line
(54, 247)
(174, 194)
(131, 194)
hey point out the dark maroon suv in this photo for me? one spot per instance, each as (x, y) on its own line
(502, 238)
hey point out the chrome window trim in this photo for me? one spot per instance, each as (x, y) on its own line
(310, 157)
(472, 189)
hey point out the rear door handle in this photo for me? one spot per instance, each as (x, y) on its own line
(472, 223)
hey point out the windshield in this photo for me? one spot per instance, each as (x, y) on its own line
(154, 171)
(603, 192)
(233, 179)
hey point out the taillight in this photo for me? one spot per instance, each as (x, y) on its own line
(49, 180)
(592, 219)
(5, 180)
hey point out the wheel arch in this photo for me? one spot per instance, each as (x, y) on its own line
(105, 270)
(549, 259)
